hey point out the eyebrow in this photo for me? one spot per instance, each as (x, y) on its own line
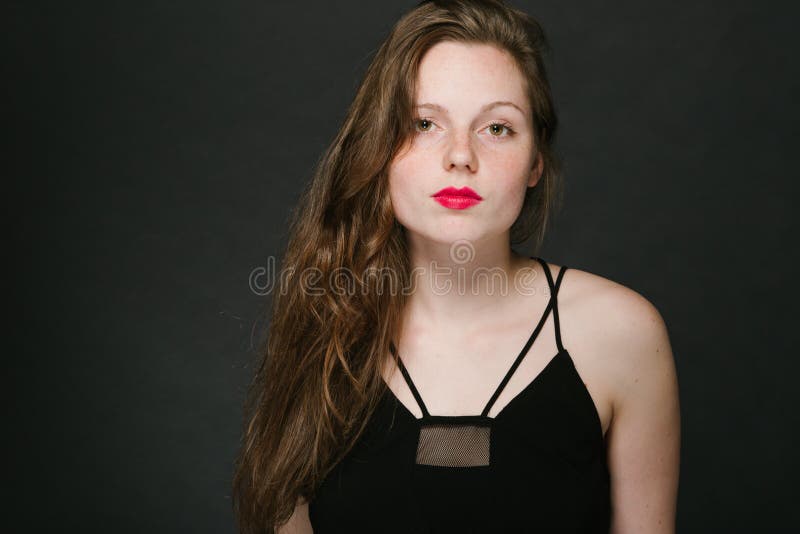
(484, 109)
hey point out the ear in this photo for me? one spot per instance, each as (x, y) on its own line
(536, 171)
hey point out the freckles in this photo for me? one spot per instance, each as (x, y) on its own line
(401, 172)
(413, 165)
(511, 166)
(403, 176)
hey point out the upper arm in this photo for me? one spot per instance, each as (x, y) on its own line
(299, 523)
(644, 438)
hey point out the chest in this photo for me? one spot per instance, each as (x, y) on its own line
(545, 468)
(459, 375)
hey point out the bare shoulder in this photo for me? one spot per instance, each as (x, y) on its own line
(615, 324)
(624, 309)
(623, 339)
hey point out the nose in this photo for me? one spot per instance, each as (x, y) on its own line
(460, 153)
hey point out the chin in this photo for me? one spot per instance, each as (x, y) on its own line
(447, 234)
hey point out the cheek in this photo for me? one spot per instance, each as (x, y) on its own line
(400, 190)
(504, 175)
(402, 183)
(515, 175)
(509, 192)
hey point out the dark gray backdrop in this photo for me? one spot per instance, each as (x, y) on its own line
(157, 148)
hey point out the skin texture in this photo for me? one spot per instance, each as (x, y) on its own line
(458, 144)
(492, 151)
(459, 342)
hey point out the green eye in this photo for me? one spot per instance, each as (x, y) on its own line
(496, 129)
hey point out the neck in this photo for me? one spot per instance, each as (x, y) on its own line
(460, 282)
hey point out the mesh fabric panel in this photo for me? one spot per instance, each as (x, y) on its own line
(461, 445)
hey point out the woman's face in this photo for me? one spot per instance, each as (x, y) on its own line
(473, 130)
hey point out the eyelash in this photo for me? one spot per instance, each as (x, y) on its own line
(508, 127)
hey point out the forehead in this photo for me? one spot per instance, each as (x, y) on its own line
(466, 76)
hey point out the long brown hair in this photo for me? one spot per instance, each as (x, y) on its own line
(320, 378)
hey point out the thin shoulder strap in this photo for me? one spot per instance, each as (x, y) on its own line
(410, 383)
(554, 297)
(551, 305)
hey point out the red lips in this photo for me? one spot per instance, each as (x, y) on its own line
(463, 192)
(457, 199)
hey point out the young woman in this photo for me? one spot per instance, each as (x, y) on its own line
(420, 374)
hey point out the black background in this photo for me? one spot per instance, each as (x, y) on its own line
(156, 149)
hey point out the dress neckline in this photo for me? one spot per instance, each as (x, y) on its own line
(499, 415)
(552, 305)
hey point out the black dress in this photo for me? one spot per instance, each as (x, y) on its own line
(537, 466)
